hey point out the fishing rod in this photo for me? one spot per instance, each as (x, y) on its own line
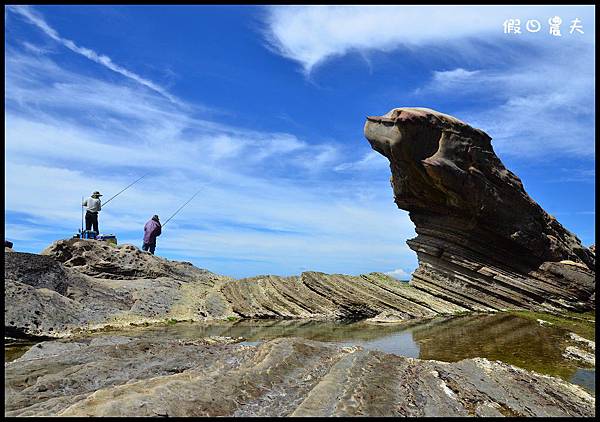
(81, 215)
(180, 208)
(131, 184)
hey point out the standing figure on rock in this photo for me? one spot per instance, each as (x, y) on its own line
(92, 205)
(152, 230)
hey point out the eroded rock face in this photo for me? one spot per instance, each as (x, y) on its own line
(124, 376)
(123, 262)
(482, 241)
(45, 297)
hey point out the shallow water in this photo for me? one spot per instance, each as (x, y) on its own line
(515, 340)
(15, 350)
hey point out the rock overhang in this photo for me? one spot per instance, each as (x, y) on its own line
(463, 199)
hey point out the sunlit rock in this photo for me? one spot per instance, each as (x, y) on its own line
(482, 241)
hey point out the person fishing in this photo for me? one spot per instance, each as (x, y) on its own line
(152, 230)
(93, 205)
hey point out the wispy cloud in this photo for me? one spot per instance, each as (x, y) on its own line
(268, 202)
(36, 48)
(371, 161)
(399, 274)
(161, 134)
(538, 102)
(449, 80)
(573, 174)
(312, 34)
(36, 19)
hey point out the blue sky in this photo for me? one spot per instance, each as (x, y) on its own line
(263, 108)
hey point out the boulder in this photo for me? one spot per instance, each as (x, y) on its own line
(124, 262)
(482, 242)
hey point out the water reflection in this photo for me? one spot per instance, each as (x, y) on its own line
(586, 378)
(511, 339)
(14, 350)
(400, 343)
(508, 338)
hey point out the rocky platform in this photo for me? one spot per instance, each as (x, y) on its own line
(86, 284)
(482, 242)
(125, 376)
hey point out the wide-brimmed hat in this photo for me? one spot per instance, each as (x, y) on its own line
(96, 193)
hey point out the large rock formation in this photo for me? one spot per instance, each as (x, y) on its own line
(129, 376)
(482, 241)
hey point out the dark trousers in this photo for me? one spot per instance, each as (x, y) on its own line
(149, 247)
(91, 219)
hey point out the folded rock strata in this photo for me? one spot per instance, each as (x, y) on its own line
(124, 376)
(482, 242)
(85, 284)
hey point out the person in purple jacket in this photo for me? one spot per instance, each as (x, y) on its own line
(152, 230)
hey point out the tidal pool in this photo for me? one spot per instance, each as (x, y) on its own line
(14, 349)
(509, 338)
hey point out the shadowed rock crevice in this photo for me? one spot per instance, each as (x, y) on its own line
(36, 271)
(482, 241)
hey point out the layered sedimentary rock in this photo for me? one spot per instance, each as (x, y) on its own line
(320, 295)
(128, 376)
(86, 284)
(482, 241)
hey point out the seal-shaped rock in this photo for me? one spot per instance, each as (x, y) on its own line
(482, 241)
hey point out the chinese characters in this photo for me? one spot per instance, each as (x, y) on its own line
(513, 26)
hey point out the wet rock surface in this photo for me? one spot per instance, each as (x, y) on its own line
(482, 241)
(128, 376)
(583, 351)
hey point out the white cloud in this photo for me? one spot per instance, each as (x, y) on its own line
(35, 48)
(37, 20)
(573, 174)
(448, 80)
(160, 133)
(399, 274)
(372, 160)
(541, 107)
(312, 34)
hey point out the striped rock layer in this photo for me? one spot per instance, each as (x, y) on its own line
(482, 242)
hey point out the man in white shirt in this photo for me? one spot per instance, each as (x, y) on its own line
(92, 205)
